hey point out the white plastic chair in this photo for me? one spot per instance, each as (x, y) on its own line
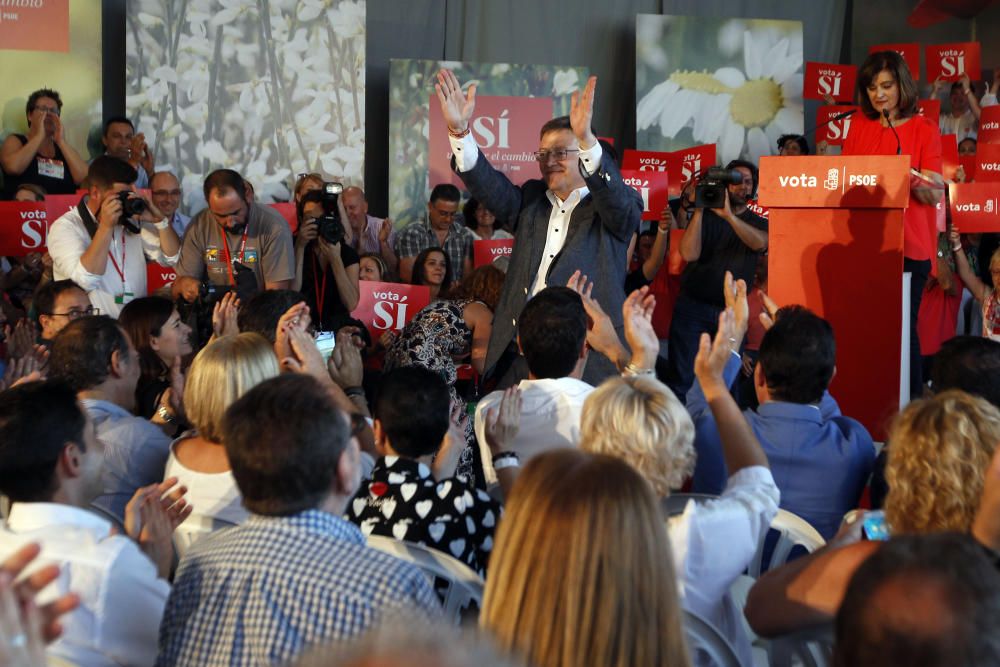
(793, 531)
(675, 503)
(464, 585)
(194, 528)
(706, 643)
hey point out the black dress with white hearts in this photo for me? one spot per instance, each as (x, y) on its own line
(403, 500)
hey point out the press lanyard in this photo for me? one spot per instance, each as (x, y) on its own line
(229, 261)
(118, 269)
(320, 289)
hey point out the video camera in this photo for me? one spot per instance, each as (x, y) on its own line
(710, 192)
(329, 225)
(131, 206)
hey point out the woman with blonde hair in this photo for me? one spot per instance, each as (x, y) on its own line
(941, 448)
(224, 370)
(581, 574)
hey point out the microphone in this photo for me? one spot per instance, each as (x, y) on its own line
(839, 116)
(885, 114)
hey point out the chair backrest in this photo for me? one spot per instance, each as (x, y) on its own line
(675, 503)
(706, 644)
(792, 531)
(194, 528)
(463, 584)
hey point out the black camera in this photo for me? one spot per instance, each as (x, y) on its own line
(710, 192)
(131, 206)
(329, 225)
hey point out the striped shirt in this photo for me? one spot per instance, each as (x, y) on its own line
(263, 592)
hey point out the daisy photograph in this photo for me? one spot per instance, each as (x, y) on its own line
(736, 83)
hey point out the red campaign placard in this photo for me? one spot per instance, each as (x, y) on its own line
(974, 207)
(159, 276)
(506, 130)
(610, 140)
(23, 228)
(930, 109)
(22, 24)
(988, 163)
(949, 62)
(823, 79)
(487, 252)
(833, 132)
(652, 186)
(287, 211)
(910, 52)
(989, 126)
(687, 163)
(968, 163)
(384, 306)
(949, 156)
(645, 160)
(755, 206)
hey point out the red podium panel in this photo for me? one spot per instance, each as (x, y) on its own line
(836, 240)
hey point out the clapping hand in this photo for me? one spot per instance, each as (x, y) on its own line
(713, 355)
(296, 317)
(225, 315)
(601, 335)
(24, 592)
(504, 421)
(637, 312)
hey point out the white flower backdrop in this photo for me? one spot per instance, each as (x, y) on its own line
(271, 88)
(736, 83)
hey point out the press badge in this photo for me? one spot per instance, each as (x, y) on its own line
(124, 298)
(250, 257)
(211, 254)
(51, 168)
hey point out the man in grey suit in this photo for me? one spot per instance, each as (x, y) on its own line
(579, 216)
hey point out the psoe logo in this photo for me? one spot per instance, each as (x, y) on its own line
(832, 181)
(862, 179)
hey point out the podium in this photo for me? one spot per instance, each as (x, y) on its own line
(836, 247)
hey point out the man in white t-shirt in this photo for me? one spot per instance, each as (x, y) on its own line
(552, 336)
(103, 250)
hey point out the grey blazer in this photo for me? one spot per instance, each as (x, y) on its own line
(600, 229)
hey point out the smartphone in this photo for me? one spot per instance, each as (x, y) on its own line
(326, 341)
(875, 527)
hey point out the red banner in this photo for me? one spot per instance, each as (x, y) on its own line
(988, 163)
(159, 276)
(385, 306)
(23, 228)
(989, 126)
(968, 163)
(910, 53)
(22, 25)
(833, 132)
(652, 187)
(824, 79)
(680, 165)
(487, 252)
(930, 109)
(949, 62)
(506, 130)
(974, 207)
(949, 156)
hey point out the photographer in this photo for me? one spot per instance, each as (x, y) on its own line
(326, 272)
(234, 244)
(716, 240)
(103, 243)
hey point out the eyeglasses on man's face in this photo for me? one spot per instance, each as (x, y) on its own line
(77, 313)
(558, 154)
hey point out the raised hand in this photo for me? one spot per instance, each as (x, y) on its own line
(637, 312)
(345, 365)
(713, 355)
(601, 335)
(736, 298)
(225, 315)
(456, 107)
(148, 523)
(384, 230)
(296, 317)
(28, 587)
(770, 311)
(581, 113)
(504, 421)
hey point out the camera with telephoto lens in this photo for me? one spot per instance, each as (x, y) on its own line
(329, 225)
(710, 192)
(131, 206)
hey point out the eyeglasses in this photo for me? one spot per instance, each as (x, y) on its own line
(559, 154)
(167, 193)
(52, 110)
(76, 313)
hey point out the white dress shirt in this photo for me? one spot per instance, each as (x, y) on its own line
(466, 153)
(712, 544)
(121, 596)
(550, 418)
(68, 240)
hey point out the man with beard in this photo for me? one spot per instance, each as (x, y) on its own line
(716, 240)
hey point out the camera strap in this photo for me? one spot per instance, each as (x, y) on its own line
(229, 258)
(320, 287)
(86, 217)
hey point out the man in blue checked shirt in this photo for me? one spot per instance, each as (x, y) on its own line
(295, 574)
